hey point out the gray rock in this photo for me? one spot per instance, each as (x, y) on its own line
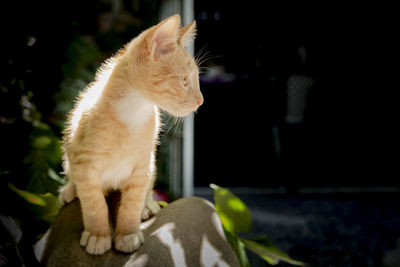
(185, 233)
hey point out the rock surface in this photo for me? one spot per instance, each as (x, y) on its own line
(185, 233)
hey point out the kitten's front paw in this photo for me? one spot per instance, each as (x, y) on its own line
(95, 245)
(151, 208)
(67, 194)
(129, 243)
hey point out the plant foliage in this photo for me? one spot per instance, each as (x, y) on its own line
(236, 218)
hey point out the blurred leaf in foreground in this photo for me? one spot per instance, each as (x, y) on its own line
(239, 249)
(28, 196)
(162, 203)
(44, 206)
(235, 218)
(268, 251)
(233, 213)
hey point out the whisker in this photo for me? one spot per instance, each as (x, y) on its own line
(202, 58)
(170, 124)
(177, 126)
(198, 54)
(201, 54)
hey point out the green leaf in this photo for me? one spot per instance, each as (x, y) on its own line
(163, 203)
(28, 196)
(47, 144)
(268, 251)
(43, 178)
(41, 142)
(45, 206)
(233, 213)
(49, 212)
(42, 126)
(239, 249)
(53, 152)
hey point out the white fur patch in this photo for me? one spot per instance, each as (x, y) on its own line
(134, 110)
(117, 172)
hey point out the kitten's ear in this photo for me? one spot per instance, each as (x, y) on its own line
(187, 33)
(165, 36)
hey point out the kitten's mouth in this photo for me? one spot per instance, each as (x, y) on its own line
(192, 106)
(195, 104)
(185, 107)
(183, 110)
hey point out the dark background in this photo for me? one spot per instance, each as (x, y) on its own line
(347, 135)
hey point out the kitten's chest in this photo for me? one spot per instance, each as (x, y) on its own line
(123, 161)
(134, 111)
(130, 144)
(116, 172)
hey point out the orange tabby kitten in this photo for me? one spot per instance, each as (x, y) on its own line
(112, 132)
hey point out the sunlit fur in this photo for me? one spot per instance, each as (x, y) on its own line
(162, 76)
(111, 134)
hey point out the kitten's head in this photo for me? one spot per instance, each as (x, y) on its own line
(171, 74)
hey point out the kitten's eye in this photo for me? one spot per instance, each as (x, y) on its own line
(184, 81)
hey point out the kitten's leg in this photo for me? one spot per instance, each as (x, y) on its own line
(97, 236)
(67, 193)
(128, 236)
(151, 206)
